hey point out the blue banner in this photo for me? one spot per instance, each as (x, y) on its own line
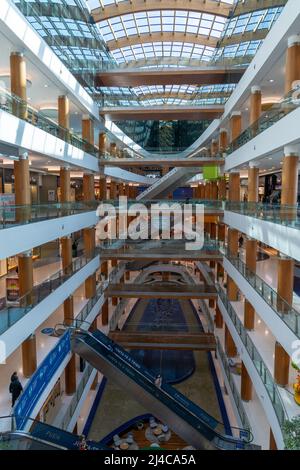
(40, 380)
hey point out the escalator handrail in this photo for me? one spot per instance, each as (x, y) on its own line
(165, 389)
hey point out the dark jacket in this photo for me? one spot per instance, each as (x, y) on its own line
(15, 388)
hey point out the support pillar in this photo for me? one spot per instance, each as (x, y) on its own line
(292, 65)
(230, 347)
(65, 185)
(214, 148)
(113, 149)
(88, 130)
(63, 116)
(218, 318)
(104, 313)
(102, 144)
(29, 361)
(281, 365)
(235, 125)
(222, 189)
(18, 85)
(253, 174)
(66, 254)
(255, 104)
(89, 250)
(234, 187)
(70, 376)
(246, 384)
(68, 310)
(88, 187)
(22, 187)
(223, 140)
(273, 445)
(289, 185)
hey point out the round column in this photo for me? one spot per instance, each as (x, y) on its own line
(29, 361)
(234, 187)
(230, 347)
(246, 384)
(292, 65)
(235, 125)
(223, 140)
(255, 104)
(18, 83)
(253, 174)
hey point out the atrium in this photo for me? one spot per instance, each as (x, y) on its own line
(149, 231)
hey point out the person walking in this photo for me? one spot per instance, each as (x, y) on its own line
(15, 388)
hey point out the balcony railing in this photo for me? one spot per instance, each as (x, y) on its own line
(14, 105)
(235, 392)
(283, 309)
(275, 213)
(11, 215)
(12, 313)
(271, 387)
(277, 111)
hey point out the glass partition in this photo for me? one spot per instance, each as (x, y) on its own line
(264, 373)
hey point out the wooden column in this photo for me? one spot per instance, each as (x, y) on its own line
(214, 148)
(104, 313)
(88, 129)
(18, 83)
(29, 361)
(234, 187)
(65, 185)
(102, 188)
(285, 283)
(102, 143)
(127, 275)
(113, 190)
(70, 376)
(66, 254)
(289, 184)
(222, 188)
(235, 125)
(104, 269)
(22, 188)
(89, 250)
(218, 318)
(253, 174)
(207, 191)
(64, 111)
(223, 140)
(246, 384)
(113, 149)
(230, 347)
(281, 365)
(214, 190)
(68, 310)
(233, 243)
(88, 187)
(292, 65)
(255, 104)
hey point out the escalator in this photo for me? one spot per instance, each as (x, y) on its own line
(188, 420)
(42, 436)
(167, 183)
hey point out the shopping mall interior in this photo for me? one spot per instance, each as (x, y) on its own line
(149, 232)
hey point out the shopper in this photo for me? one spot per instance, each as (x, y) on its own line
(15, 388)
(158, 381)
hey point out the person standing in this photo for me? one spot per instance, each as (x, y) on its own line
(15, 388)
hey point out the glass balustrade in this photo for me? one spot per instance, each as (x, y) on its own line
(264, 373)
(286, 312)
(11, 215)
(277, 111)
(235, 392)
(11, 313)
(21, 109)
(275, 213)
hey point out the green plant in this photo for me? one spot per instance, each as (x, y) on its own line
(291, 433)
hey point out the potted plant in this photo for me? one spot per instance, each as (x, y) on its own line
(291, 433)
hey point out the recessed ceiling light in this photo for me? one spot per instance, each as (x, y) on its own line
(29, 99)
(46, 86)
(281, 163)
(271, 80)
(270, 158)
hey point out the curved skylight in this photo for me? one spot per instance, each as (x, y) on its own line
(163, 49)
(253, 21)
(147, 22)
